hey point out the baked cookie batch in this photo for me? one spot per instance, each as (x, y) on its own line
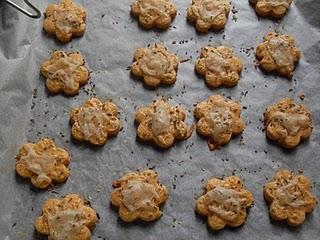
(139, 195)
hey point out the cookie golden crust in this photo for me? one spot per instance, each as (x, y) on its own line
(68, 218)
(65, 72)
(288, 123)
(65, 20)
(95, 121)
(218, 119)
(162, 123)
(219, 66)
(278, 53)
(224, 202)
(154, 13)
(138, 196)
(290, 197)
(208, 14)
(43, 163)
(155, 65)
(273, 8)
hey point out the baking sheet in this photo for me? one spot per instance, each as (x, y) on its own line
(29, 113)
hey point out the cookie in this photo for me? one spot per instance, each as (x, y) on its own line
(219, 66)
(155, 65)
(66, 218)
(273, 8)
(154, 13)
(208, 14)
(162, 123)
(290, 197)
(224, 202)
(43, 163)
(218, 120)
(65, 72)
(95, 121)
(65, 20)
(278, 53)
(138, 196)
(288, 123)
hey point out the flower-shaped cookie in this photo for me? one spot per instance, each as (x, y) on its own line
(290, 197)
(155, 65)
(288, 123)
(224, 202)
(95, 121)
(65, 20)
(278, 53)
(218, 119)
(209, 14)
(219, 66)
(68, 218)
(65, 72)
(43, 163)
(138, 196)
(154, 13)
(273, 8)
(162, 123)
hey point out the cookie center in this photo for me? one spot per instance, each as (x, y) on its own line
(280, 52)
(39, 163)
(66, 20)
(161, 119)
(290, 194)
(154, 8)
(291, 121)
(65, 224)
(63, 69)
(225, 202)
(155, 63)
(209, 10)
(139, 195)
(220, 121)
(216, 63)
(91, 122)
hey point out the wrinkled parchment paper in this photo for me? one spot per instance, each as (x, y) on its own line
(29, 113)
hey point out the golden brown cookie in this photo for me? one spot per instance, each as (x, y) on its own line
(162, 123)
(155, 65)
(209, 14)
(43, 163)
(154, 13)
(288, 123)
(278, 53)
(138, 196)
(68, 218)
(290, 197)
(273, 8)
(65, 20)
(219, 66)
(65, 72)
(95, 121)
(224, 202)
(218, 119)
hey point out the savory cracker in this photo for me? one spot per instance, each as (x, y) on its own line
(138, 196)
(65, 20)
(224, 202)
(290, 197)
(43, 163)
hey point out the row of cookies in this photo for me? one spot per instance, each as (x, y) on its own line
(156, 65)
(67, 19)
(205, 14)
(138, 195)
(218, 119)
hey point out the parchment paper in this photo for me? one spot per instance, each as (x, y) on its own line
(28, 113)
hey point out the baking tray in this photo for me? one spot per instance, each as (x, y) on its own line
(29, 113)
